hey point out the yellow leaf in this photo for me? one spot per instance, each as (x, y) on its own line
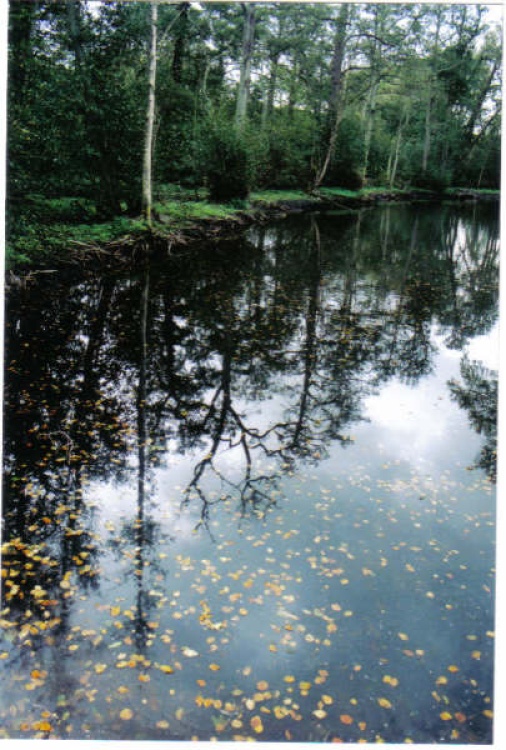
(305, 685)
(445, 716)
(289, 678)
(488, 713)
(166, 669)
(115, 611)
(384, 703)
(476, 655)
(327, 699)
(99, 668)
(214, 667)
(346, 719)
(403, 636)
(319, 713)
(126, 714)
(393, 681)
(442, 680)
(262, 685)
(43, 726)
(256, 724)
(453, 668)
(163, 724)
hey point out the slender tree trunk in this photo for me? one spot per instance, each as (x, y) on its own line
(336, 96)
(248, 41)
(180, 42)
(370, 110)
(73, 11)
(430, 100)
(268, 104)
(147, 169)
(392, 172)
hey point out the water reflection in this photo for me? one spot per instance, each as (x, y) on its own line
(253, 359)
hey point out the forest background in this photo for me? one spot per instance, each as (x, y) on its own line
(124, 110)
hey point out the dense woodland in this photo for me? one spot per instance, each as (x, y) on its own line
(112, 101)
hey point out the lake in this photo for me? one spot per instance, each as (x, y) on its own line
(249, 491)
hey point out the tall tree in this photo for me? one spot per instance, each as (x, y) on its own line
(147, 169)
(338, 73)
(248, 41)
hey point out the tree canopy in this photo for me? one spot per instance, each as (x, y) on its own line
(249, 95)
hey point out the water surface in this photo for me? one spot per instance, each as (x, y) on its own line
(249, 491)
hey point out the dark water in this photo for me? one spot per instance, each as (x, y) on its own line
(250, 492)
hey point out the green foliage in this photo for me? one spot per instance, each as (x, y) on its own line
(228, 168)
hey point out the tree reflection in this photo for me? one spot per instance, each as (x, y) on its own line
(252, 358)
(478, 395)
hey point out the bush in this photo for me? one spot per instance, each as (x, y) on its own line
(228, 172)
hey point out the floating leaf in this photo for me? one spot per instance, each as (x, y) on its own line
(393, 681)
(384, 703)
(453, 668)
(262, 685)
(256, 724)
(126, 714)
(346, 719)
(214, 667)
(162, 724)
(403, 636)
(445, 716)
(166, 669)
(189, 652)
(327, 699)
(319, 713)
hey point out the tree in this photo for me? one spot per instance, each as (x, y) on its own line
(248, 41)
(147, 168)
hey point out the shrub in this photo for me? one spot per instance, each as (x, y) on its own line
(228, 172)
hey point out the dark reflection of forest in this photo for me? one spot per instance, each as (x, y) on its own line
(102, 373)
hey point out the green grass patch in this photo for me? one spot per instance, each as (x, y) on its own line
(181, 213)
(39, 243)
(278, 196)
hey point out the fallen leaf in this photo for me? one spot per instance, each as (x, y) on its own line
(384, 703)
(256, 724)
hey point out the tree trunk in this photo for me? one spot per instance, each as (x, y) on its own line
(147, 169)
(392, 172)
(336, 96)
(268, 104)
(180, 43)
(21, 25)
(430, 99)
(73, 11)
(248, 40)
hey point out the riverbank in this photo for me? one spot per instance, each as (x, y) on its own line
(65, 232)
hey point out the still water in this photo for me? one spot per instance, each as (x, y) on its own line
(249, 491)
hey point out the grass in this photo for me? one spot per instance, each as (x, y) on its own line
(273, 196)
(49, 228)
